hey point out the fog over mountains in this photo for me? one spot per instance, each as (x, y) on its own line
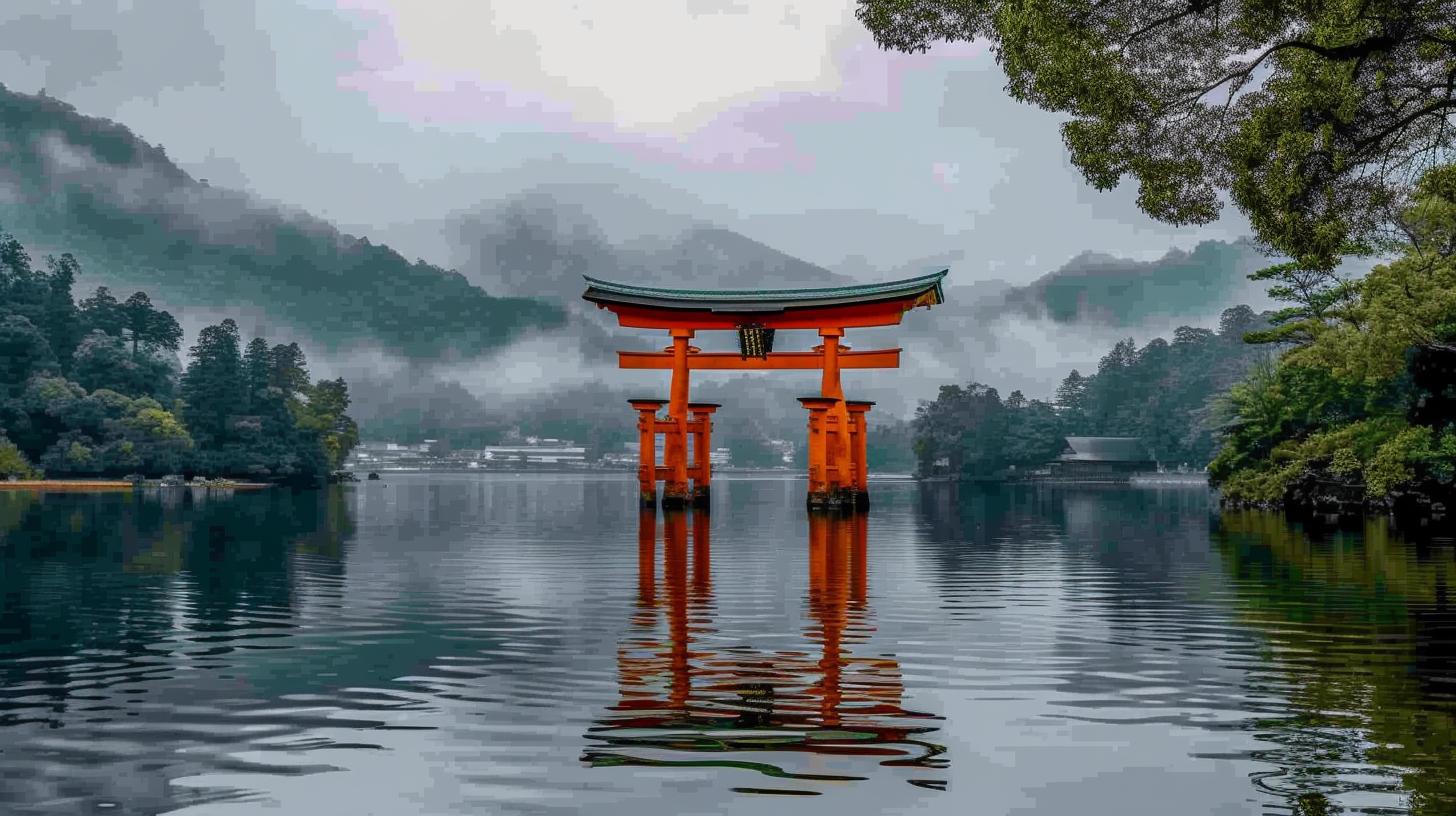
(491, 319)
(72, 183)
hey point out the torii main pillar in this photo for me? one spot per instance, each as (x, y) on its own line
(838, 467)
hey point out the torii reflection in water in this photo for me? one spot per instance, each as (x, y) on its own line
(678, 698)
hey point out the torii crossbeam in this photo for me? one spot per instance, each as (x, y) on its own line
(838, 475)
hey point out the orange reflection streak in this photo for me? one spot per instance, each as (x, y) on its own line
(675, 575)
(702, 559)
(678, 698)
(646, 568)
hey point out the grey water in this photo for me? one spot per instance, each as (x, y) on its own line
(478, 643)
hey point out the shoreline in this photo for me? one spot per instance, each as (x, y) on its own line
(112, 485)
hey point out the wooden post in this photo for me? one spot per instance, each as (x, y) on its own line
(859, 450)
(820, 495)
(647, 456)
(839, 452)
(675, 492)
(702, 425)
(836, 448)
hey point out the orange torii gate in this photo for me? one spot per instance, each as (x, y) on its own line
(837, 470)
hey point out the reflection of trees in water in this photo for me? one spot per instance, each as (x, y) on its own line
(1123, 554)
(676, 696)
(91, 571)
(1119, 527)
(1361, 639)
(101, 595)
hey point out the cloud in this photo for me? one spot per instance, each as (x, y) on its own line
(660, 66)
(708, 83)
(946, 174)
(65, 46)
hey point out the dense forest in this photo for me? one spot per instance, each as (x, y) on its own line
(1361, 410)
(1166, 393)
(95, 388)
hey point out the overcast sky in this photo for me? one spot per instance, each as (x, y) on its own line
(781, 118)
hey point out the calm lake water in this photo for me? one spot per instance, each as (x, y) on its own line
(501, 644)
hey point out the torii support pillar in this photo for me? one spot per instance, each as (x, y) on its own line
(858, 450)
(701, 427)
(647, 443)
(675, 491)
(822, 494)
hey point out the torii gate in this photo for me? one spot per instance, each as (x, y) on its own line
(837, 470)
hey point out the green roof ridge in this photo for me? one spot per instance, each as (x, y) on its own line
(854, 290)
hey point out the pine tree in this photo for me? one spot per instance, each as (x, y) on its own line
(290, 370)
(102, 312)
(257, 373)
(147, 325)
(1072, 403)
(213, 387)
(60, 320)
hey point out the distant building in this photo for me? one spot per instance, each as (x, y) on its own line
(1101, 458)
(784, 448)
(560, 453)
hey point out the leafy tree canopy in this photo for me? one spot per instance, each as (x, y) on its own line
(1316, 117)
(89, 389)
(1362, 410)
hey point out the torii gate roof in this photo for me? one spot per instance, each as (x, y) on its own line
(863, 304)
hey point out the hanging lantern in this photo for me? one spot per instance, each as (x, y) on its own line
(755, 341)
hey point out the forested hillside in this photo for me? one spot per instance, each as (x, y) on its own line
(94, 388)
(1168, 394)
(134, 219)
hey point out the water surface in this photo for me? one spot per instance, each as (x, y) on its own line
(525, 644)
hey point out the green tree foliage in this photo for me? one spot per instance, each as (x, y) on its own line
(1315, 117)
(213, 386)
(324, 416)
(289, 372)
(1362, 410)
(147, 326)
(104, 361)
(105, 403)
(24, 350)
(13, 463)
(1165, 394)
(102, 312)
(257, 372)
(59, 316)
(889, 446)
(962, 432)
(1071, 404)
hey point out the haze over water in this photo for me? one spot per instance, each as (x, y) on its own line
(523, 644)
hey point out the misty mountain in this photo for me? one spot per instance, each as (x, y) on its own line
(136, 220)
(1099, 288)
(538, 243)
